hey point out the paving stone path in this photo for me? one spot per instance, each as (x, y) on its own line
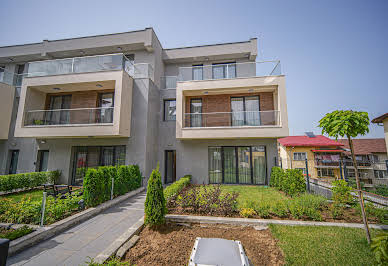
(88, 239)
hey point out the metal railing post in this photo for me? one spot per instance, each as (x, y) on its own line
(111, 189)
(307, 176)
(43, 208)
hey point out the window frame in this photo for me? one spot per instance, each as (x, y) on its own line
(198, 66)
(327, 174)
(294, 153)
(225, 73)
(164, 109)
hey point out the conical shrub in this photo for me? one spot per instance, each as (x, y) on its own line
(155, 204)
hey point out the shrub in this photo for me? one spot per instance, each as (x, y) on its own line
(382, 190)
(307, 206)
(173, 190)
(155, 204)
(381, 214)
(280, 209)
(16, 233)
(379, 247)
(276, 177)
(247, 212)
(341, 192)
(263, 209)
(27, 180)
(293, 183)
(93, 192)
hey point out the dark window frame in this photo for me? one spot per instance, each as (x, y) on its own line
(244, 106)
(165, 166)
(198, 66)
(191, 113)
(164, 109)
(39, 159)
(11, 160)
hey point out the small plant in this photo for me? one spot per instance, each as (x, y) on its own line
(341, 192)
(15, 233)
(38, 122)
(247, 212)
(379, 247)
(307, 206)
(381, 190)
(155, 204)
(280, 209)
(337, 210)
(263, 209)
(172, 191)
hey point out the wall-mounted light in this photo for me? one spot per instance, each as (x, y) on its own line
(10, 59)
(205, 92)
(82, 52)
(119, 49)
(250, 90)
(43, 141)
(99, 85)
(57, 89)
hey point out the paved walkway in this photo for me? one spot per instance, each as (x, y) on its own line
(74, 246)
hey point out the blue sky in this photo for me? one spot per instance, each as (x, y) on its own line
(334, 53)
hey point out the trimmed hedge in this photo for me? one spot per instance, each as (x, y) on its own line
(173, 190)
(98, 182)
(27, 180)
(290, 181)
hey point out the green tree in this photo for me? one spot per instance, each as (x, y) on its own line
(155, 203)
(349, 124)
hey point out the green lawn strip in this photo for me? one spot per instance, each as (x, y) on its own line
(35, 195)
(322, 245)
(12, 234)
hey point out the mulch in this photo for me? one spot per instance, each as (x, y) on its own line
(171, 244)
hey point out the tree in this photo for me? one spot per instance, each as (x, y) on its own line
(155, 203)
(349, 124)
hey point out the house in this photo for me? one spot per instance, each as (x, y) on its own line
(371, 155)
(322, 153)
(211, 111)
(383, 119)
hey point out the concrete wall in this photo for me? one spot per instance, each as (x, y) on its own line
(385, 122)
(6, 104)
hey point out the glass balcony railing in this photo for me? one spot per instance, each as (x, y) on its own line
(98, 115)
(230, 71)
(232, 119)
(169, 82)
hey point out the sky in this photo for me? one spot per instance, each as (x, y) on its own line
(333, 53)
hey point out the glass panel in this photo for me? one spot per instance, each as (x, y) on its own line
(215, 165)
(98, 63)
(14, 162)
(244, 165)
(93, 157)
(80, 165)
(196, 112)
(169, 110)
(230, 174)
(106, 113)
(170, 166)
(252, 108)
(107, 156)
(120, 155)
(43, 161)
(231, 71)
(237, 105)
(259, 165)
(65, 114)
(55, 104)
(218, 71)
(198, 72)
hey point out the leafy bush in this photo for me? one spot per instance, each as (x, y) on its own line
(172, 190)
(381, 214)
(277, 174)
(379, 247)
(98, 182)
(12, 234)
(280, 209)
(27, 180)
(341, 192)
(307, 206)
(381, 190)
(206, 200)
(155, 204)
(263, 209)
(293, 183)
(247, 212)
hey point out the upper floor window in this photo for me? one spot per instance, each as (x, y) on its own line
(170, 110)
(198, 72)
(325, 172)
(2, 70)
(300, 156)
(245, 111)
(224, 70)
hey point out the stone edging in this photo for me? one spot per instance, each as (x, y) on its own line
(249, 221)
(112, 249)
(43, 233)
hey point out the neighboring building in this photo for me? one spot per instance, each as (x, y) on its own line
(323, 155)
(210, 111)
(371, 155)
(383, 119)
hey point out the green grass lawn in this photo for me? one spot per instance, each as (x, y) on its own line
(254, 193)
(309, 245)
(35, 195)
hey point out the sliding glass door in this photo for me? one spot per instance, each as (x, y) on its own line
(59, 110)
(196, 112)
(245, 111)
(237, 165)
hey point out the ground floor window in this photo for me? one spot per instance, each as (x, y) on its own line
(170, 166)
(325, 172)
(42, 160)
(13, 163)
(94, 156)
(381, 174)
(237, 165)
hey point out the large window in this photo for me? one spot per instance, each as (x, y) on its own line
(300, 156)
(325, 172)
(13, 162)
(381, 173)
(198, 72)
(170, 110)
(106, 103)
(93, 157)
(59, 110)
(196, 112)
(224, 71)
(245, 111)
(42, 160)
(237, 165)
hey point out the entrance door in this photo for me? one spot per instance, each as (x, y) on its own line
(13, 165)
(43, 160)
(170, 166)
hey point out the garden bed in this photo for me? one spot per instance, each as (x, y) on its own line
(265, 203)
(12, 233)
(171, 244)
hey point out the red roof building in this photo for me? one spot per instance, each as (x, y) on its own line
(305, 141)
(366, 146)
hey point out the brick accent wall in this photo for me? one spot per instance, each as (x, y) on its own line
(222, 103)
(80, 99)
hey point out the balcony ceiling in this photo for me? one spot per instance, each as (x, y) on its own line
(84, 86)
(228, 91)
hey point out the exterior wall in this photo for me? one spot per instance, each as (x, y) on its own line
(6, 104)
(385, 123)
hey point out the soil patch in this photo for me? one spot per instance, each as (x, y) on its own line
(171, 244)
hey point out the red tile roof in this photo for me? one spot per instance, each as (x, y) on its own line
(366, 146)
(380, 119)
(317, 141)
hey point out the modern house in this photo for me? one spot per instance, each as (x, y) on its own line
(322, 153)
(211, 111)
(383, 121)
(371, 155)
